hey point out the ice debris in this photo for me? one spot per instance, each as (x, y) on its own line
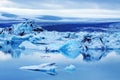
(70, 68)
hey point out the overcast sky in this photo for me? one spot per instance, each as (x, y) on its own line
(80, 8)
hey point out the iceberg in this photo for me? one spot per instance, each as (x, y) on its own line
(49, 68)
(71, 49)
(36, 39)
(16, 40)
(94, 48)
(112, 40)
(22, 29)
(93, 42)
(12, 46)
(70, 35)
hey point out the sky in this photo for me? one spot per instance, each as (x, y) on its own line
(68, 8)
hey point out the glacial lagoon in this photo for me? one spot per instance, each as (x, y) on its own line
(28, 52)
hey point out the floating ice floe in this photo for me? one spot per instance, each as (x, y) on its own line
(70, 68)
(49, 68)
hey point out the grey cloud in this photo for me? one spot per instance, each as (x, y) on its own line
(68, 4)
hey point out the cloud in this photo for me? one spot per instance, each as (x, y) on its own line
(8, 4)
(63, 8)
(62, 4)
(79, 13)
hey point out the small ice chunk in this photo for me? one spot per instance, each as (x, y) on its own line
(70, 68)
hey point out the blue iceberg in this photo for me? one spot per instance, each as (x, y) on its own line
(71, 49)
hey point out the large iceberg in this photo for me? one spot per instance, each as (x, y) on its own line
(71, 49)
(22, 29)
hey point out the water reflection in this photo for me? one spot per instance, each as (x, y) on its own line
(89, 55)
(91, 48)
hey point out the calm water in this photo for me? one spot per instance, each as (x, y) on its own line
(108, 68)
